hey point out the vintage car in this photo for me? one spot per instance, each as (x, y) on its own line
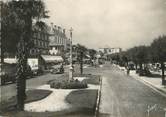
(8, 73)
(57, 69)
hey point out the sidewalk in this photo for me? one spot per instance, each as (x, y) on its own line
(62, 99)
(153, 82)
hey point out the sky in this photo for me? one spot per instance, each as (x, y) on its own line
(110, 23)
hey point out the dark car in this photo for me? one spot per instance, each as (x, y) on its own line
(8, 73)
(143, 72)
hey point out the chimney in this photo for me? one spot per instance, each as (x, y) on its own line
(64, 31)
(55, 27)
(59, 28)
(52, 25)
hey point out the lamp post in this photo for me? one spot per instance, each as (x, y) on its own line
(71, 63)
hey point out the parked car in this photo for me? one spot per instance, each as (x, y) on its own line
(143, 72)
(8, 73)
(131, 66)
(57, 69)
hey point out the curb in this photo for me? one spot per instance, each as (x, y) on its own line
(158, 90)
(147, 83)
(98, 99)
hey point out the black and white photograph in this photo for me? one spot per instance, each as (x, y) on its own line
(83, 58)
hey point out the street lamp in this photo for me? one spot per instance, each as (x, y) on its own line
(71, 63)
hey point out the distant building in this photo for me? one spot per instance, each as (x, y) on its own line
(58, 41)
(109, 51)
(115, 50)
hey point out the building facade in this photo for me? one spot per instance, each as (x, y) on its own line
(58, 41)
(40, 42)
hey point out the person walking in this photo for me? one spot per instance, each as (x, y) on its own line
(128, 70)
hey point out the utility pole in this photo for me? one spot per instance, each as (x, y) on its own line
(71, 58)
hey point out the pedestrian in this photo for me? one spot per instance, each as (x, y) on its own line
(128, 70)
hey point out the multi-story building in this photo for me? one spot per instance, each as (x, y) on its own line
(40, 41)
(58, 41)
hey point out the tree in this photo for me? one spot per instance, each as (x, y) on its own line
(81, 52)
(115, 57)
(92, 54)
(13, 24)
(18, 17)
(139, 55)
(159, 53)
(124, 58)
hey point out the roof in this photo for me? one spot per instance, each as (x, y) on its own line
(50, 58)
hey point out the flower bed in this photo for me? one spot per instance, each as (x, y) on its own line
(74, 84)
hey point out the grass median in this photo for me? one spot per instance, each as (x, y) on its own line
(32, 95)
(83, 101)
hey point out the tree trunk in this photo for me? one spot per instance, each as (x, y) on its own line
(136, 66)
(2, 53)
(127, 62)
(21, 75)
(2, 44)
(140, 66)
(81, 63)
(23, 53)
(163, 75)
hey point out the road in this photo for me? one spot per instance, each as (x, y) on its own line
(124, 96)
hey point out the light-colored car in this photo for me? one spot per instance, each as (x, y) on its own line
(57, 69)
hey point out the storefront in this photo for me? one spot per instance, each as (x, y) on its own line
(50, 60)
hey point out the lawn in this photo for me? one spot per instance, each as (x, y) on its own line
(83, 101)
(64, 77)
(92, 79)
(32, 95)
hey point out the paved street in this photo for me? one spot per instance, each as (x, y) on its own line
(123, 96)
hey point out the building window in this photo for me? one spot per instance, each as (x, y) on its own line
(55, 40)
(41, 36)
(34, 34)
(34, 42)
(38, 43)
(58, 40)
(61, 40)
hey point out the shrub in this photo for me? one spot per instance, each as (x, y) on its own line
(74, 84)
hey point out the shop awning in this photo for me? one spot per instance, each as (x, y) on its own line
(50, 58)
(10, 60)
